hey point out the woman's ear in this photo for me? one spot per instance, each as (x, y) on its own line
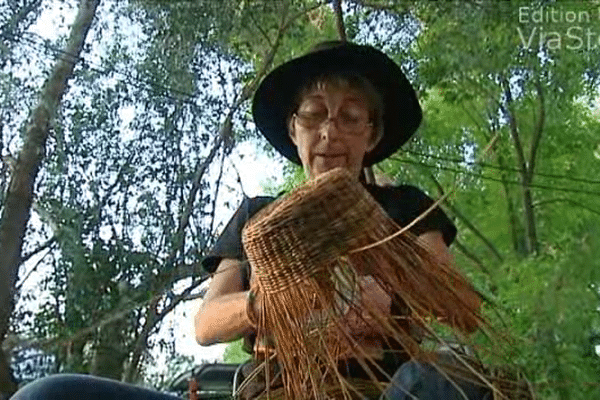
(292, 131)
(376, 136)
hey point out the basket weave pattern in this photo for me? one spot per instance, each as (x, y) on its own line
(298, 235)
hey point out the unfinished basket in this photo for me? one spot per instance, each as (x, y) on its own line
(308, 252)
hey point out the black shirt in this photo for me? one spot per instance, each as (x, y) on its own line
(402, 203)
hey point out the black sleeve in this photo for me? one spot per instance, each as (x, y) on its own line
(405, 203)
(229, 244)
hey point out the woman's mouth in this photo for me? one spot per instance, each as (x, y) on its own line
(329, 161)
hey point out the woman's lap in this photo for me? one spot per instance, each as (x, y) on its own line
(86, 387)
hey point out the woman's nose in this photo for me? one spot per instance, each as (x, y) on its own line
(329, 130)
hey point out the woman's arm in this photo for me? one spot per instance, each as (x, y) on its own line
(434, 242)
(222, 317)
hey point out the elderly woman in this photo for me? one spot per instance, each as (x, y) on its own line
(340, 106)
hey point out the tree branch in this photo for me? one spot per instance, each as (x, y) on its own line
(216, 194)
(251, 87)
(141, 341)
(514, 130)
(526, 173)
(239, 179)
(43, 247)
(376, 6)
(225, 136)
(339, 18)
(17, 207)
(304, 11)
(510, 208)
(565, 200)
(260, 29)
(538, 129)
(471, 256)
(152, 318)
(201, 167)
(110, 317)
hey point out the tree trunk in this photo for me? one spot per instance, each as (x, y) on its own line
(530, 228)
(467, 223)
(513, 221)
(339, 18)
(111, 350)
(74, 359)
(19, 197)
(131, 372)
(9, 386)
(526, 167)
(535, 144)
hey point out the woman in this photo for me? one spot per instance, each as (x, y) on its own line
(340, 106)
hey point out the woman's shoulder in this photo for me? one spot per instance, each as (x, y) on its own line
(229, 242)
(404, 203)
(398, 196)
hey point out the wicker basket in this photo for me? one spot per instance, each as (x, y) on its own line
(308, 250)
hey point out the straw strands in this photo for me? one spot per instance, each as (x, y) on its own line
(310, 253)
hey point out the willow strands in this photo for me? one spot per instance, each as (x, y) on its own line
(309, 252)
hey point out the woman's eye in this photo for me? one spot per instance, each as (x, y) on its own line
(313, 109)
(350, 117)
(314, 114)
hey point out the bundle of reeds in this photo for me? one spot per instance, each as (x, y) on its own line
(309, 252)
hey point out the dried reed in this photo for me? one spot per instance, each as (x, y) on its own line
(309, 251)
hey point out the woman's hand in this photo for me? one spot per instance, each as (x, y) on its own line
(372, 300)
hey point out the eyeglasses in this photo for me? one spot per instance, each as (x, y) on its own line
(345, 123)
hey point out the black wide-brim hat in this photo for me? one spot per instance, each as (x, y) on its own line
(275, 96)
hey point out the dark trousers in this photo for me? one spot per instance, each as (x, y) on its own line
(415, 380)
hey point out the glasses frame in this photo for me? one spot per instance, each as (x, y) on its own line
(303, 121)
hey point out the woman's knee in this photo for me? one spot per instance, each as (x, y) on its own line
(86, 387)
(54, 387)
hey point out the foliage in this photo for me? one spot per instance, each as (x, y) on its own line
(457, 56)
(123, 168)
(235, 353)
(162, 378)
(554, 331)
(128, 157)
(294, 176)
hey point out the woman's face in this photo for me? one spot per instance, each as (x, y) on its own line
(331, 129)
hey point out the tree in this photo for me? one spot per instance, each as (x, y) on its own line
(138, 217)
(17, 202)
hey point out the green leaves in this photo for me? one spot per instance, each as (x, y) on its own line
(235, 353)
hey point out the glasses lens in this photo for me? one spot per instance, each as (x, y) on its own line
(311, 120)
(346, 123)
(349, 123)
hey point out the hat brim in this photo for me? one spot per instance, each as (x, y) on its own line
(274, 98)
